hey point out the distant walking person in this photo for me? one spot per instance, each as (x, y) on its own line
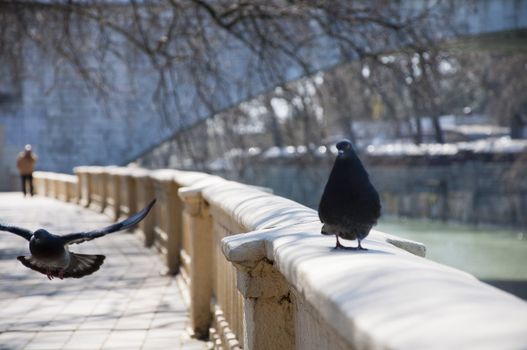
(26, 164)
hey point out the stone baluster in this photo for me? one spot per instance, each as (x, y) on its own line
(167, 237)
(84, 186)
(200, 225)
(113, 189)
(144, 189)
(269, 322)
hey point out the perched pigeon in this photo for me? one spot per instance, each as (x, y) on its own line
(50, 254)
(350, 205)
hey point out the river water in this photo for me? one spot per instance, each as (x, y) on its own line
(495, 255)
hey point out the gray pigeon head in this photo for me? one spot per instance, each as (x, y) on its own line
(41, 233)
(344, 146)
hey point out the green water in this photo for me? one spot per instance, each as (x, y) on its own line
(491, 254)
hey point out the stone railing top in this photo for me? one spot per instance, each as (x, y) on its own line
(191, 178)
(42, 174)
(139, 172)
(193, 195)
(181, 178)
(386, 298)
(55, 176)
(163, 174)
(81, 169)
(120, 171)
(254, 209)
(92, 169)
(108, 169)
(67, 178)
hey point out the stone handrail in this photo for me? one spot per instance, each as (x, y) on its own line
(60, 186)
(260, 276)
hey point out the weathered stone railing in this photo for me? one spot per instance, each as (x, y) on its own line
(168, 227)
(60, 186)
(260, 276)
(40, 182)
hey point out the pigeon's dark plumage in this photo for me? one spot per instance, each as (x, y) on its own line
(350, 205)
(50, 254)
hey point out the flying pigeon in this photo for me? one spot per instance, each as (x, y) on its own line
(350, 205)
(50, 254)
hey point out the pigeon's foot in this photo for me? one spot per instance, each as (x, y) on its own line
(49, 274)
(340, 246)
(360, 247)
(61, 274)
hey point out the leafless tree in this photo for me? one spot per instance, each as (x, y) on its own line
(205, 53)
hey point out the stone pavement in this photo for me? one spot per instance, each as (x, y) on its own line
(127, 304)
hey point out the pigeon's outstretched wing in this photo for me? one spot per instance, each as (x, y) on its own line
(22, 232)
(80, 237)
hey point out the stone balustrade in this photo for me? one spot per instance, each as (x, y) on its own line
(168, 222)
(59, 186)
(67, 188)
(260, 276)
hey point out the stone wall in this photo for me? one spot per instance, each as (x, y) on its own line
(472, 192)
(478, 190)
(46, 104)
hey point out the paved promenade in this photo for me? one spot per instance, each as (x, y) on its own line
(126, 305)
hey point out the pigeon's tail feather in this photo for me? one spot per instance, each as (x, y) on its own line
(80, 265)
(83, 264)
(327, 230)
(33, 264)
